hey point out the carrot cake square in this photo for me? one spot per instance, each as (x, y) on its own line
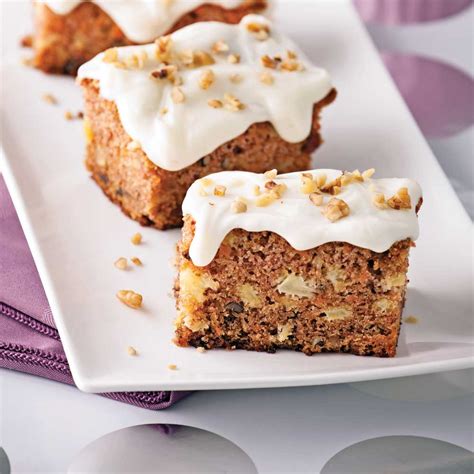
(70, 32)
(210, 97)
(312, 262)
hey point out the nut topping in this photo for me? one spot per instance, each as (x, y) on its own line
(335, 209)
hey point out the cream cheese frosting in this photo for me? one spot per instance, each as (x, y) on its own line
(217, 80)
(374, 214)
(141, 20)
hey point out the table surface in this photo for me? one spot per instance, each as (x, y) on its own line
(44, 425)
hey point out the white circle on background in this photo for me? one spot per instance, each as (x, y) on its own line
(162, 449)
(401, 455)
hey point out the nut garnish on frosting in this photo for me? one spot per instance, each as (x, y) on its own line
(209, 76)
(303, 209)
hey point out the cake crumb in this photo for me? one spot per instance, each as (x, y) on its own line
(172, 367)
(136, 261)
(130, 298)
(132, 351)
(200, 349)
(50, 99)
(26, 41)
(411, 320)
(68, 115)
(121, 263)
(136, 239)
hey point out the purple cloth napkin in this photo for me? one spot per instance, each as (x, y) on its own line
(29, 341)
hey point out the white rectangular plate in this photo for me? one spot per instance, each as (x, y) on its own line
(76, 234)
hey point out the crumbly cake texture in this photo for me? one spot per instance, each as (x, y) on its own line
(62, 43)
(255, 295)
(242, 285)
(152, 195)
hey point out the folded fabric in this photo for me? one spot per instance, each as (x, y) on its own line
(29, 341)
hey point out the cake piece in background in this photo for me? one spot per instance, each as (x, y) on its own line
(312, 262)
(70, 32)
(210, 97)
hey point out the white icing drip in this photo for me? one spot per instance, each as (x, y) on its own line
(294, 217)
(193, 129)
(141, 20)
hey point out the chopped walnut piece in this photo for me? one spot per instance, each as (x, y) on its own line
(136, 261)
(259, 30)
(130, 298)
(308, 185)
(220, 47)
(333, 187)
(206, 181)
(379, 201)
(215, 103)
(367, 174)
(163, 110)
(316, 199)
(121, 263)
(133, 145)
(291, 54)
(291, 65)
(220, 190)
(275, 189)
(132, 351)
(207, 79)
(321, 180)
(235, 78)
(238, 206)
(265, 199)
(233, 58)
(400, 200)
(163, 47)
(110, 55)
(266, 78)
(195, 59)
(335, 209)
(177, 95)
(271, 174)
(232, 103)
(136, 239)
(50, 99)
(268, 62)
(164, 71)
